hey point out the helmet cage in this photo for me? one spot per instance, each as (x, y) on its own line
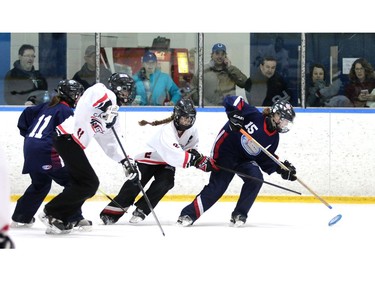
(124, 88)
(286, 113)
(184, 114)
(70, 91)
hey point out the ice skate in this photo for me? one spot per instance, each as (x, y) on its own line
(16, 224)
(55, 226)
(184, 221)
(238, 220)
(138, 216)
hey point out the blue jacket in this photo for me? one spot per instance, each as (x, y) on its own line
(162, 89)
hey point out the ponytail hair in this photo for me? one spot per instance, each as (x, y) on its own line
(157, 122)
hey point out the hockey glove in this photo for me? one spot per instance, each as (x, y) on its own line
(235, 120)
(289, 174)
(5, 241)
(131, 170)
(110, 115)
(204, 163)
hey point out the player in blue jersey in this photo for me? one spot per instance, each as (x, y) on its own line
(37, 125)
(234, 151)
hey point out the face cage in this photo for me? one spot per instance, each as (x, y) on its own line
(187, 125)
(125, 97)
(284, 125)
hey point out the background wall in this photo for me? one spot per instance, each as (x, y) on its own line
(333, 151)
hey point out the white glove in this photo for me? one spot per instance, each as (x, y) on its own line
(131, 170)
(110, 115)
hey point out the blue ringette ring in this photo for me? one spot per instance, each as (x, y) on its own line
(335, 220)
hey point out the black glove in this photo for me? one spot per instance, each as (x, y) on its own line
(5, 241)
(289, 174)
(204, 163)
(235, 120)
(110, 125)
(131, 170)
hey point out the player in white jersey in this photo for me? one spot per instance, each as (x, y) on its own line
(5, 241)
(174, 145)
(95, 114)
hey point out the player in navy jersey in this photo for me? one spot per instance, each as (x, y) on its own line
(174, 145)
(37, 125)
(234, 151)
(95, 115)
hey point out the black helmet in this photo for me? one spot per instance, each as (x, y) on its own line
(119, 82)
(184, 108)
(287, 114)
(69, 91)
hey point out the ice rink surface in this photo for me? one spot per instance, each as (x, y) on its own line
(280, 241)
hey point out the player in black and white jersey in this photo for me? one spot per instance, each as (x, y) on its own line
(174, 145)
(94, 116)
(6, 242)
(234, 151)
(37, 125)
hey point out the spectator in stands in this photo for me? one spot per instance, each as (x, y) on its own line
(87, 74)
(277, 51)
(361, 83)
(153, 86)
(322, 94)
(220, 78)
(267, 86)
(23, 81)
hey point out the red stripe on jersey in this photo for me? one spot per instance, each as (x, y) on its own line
(219, 143)
(186, 160)
(105, 97)
(266, 130)
(78, 142)
(196, 208)
(61, 129)
(152, 162)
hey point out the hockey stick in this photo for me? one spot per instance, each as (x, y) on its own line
(138, 182)
(256, 179)
(112, 200)
(277, 161)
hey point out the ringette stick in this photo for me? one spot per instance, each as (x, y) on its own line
(139, 183)
(269, 154)
(256, 179)
(112, 200)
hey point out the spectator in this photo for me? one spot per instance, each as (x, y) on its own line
(37, 125)
(361, 83)
(277, 51)
(220, 78)
(5, 241)
(267, 86)
(87, 74)
(232, 152)
(320, 94)
(23, 80)
(153, 86)
(173, 146)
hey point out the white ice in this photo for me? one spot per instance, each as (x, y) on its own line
(280, 241)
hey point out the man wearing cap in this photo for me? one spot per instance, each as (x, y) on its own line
(153, 86)
(87, 74)
(220, 78)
